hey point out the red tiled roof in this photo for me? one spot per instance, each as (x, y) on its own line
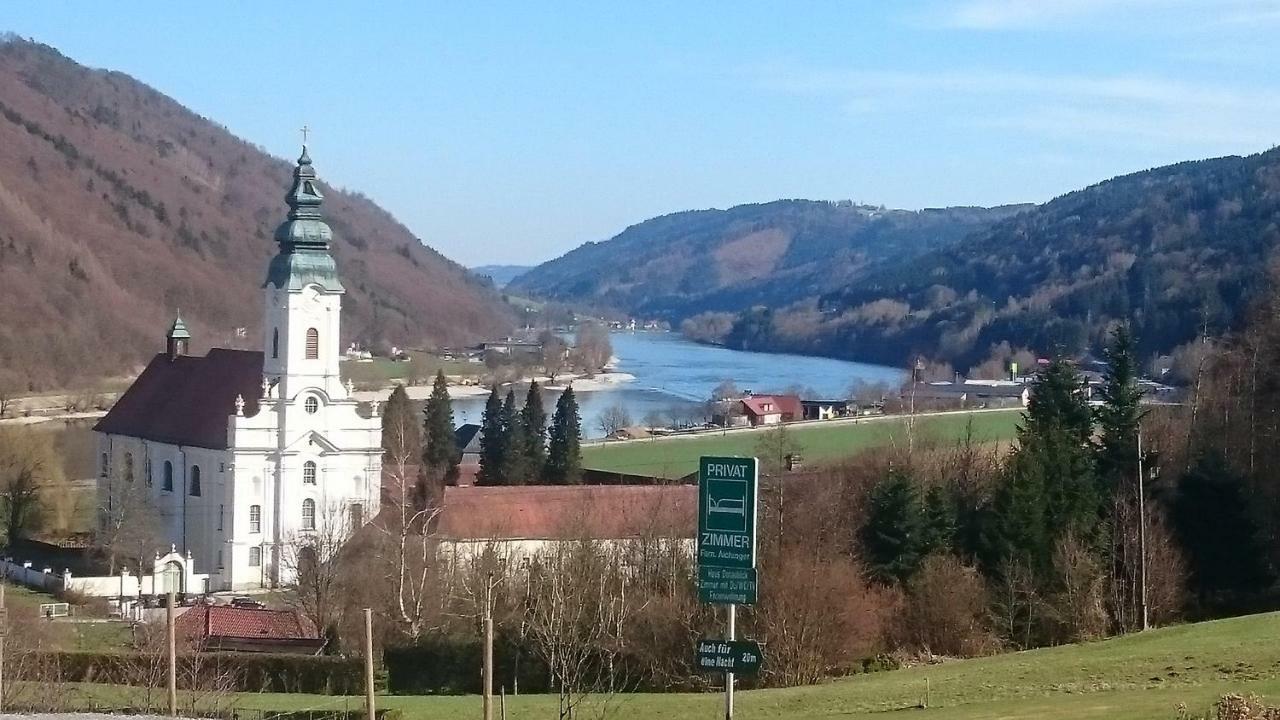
(186, 401)
(781, 404)
(568, 512)
(221, 621)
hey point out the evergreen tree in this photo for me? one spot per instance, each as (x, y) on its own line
(513, 468)
(401, 440)
(493, 443)
(1054, 446)
(440, 455)
(1119, 414)
(1218, 531)
(1015, 525)
(893, 537)
(564, 452)
(533, 426)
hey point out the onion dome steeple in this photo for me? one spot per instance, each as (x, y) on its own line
(304, 236)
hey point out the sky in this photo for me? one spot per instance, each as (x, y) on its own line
(513, 132)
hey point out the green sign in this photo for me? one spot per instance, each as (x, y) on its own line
(727, 512)
(735, 586)
(741, 657)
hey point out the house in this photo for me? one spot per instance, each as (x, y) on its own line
(519, 522)
(826, 409)
(467, 438)
(225, 628)
(771, 409)
(245, 453)
(972, 393)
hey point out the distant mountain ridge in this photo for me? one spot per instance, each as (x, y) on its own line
(502, 275)
(775, 253)
(118, 206)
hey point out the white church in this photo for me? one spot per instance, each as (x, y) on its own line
(247, 454)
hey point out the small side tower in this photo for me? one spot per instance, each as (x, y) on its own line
(177, 339)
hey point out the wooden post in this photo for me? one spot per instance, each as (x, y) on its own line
(4, 628)
(1142, 539)
(487, 686)
(368, 663)
(172, 645)
(728, 677)
(504, 702)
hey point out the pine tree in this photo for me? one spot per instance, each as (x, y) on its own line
(564, 453)
(1119, 414)
(401, 440)
(893, 536)
(939, 520)
(1218, 531)
(1015, 531)
(493, 443)
(533, 426)
(513, 465)
(440, 454)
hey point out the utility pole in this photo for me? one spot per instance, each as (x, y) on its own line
(728, 676)
(4, 628)
(488, 649)
(368, 663)
(1142, 538)
(172, 644)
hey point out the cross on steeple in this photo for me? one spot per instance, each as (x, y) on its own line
(305, 130)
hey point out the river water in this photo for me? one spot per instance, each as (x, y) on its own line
(673, 375)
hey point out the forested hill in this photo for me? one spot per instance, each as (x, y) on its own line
(774, 253)
(118, 206)
(1177, 250)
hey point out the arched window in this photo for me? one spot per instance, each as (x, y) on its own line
(146, 472)
(308, 514)
(275, 343)
(309, 473)
(106, 466)
(168, 477)
(313, 344)
(255, 518)
(195, 481)
(128, 466)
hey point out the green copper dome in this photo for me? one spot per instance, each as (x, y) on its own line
(178, 330)
(304, 237)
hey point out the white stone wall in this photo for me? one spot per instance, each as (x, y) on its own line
(291, 314)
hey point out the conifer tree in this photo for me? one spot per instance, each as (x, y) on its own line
(564, 452)
(493, 443)
(401, 440)
(533, 426)
(440, 455)
(1119, 414)
(1218, 531)
(513, 465)
(893, 536)
(939, 520)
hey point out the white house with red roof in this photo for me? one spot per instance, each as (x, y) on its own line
(246, 454)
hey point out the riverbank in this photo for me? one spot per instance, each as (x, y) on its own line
(581, 382)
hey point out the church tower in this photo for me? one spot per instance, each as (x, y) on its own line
(303, 297)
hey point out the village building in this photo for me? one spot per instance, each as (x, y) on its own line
(221, 628)
(772, 409)
(245, 454)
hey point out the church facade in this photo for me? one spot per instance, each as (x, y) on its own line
(246, 460)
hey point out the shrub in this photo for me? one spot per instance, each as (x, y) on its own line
(243, 672)
(946, 609)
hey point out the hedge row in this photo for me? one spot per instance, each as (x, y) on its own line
(452, 666)
(247, 672)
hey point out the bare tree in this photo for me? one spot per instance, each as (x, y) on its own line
(313, 562)
(129, 529)
(614, 418)
(407, 544)
(593, 348)
(554, 354)
(30, 480)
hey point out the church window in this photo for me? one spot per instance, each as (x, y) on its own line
(220, 565)
(222, 511)
(195, 481)
(255, 518)
(168, 477)
(106, 466)
(311, 405)
(255, 557)
(128, 467)
(308, 514)
(309, 473)
(357, 515)
(146, 472)
(313, 344)
(275, 343)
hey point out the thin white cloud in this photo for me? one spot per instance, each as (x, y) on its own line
(1041, 14)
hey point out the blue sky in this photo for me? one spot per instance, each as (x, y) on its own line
(513, 132)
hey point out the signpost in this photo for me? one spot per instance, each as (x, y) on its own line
(727, 490)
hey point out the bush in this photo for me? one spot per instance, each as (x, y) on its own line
(443, 665)
(946, 610)
(243, 672)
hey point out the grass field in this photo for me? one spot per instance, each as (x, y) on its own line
(820, 442)
(1140, 677)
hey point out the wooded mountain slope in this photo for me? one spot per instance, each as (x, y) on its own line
(1178, 251)
(774, 253)
(118, 207)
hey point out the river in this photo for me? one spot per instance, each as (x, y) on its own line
(674, 376)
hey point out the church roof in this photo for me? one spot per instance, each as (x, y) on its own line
(186, 400)
(565, 512)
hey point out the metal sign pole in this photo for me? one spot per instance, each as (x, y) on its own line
(728, 676)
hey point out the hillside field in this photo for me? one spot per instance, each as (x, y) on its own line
(1138, 677)
(675, 457)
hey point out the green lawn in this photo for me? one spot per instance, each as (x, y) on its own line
(380, 372)
(820, 442)
(1140, 677)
